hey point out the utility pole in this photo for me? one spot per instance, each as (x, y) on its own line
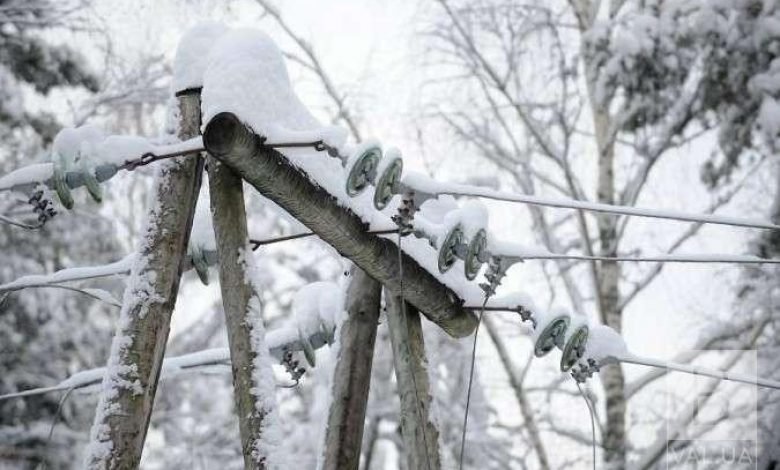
(137, 350)
(420, 436)
(238, 300)
(352, 375)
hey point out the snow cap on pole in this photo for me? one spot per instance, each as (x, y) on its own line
(192, 55)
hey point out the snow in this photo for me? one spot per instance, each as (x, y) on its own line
(192, 55)
(543, 319)
(427, 185)
(71, 142)
(769, 118)
(90, 145)
(117, 149)
(317, 306)
(26, 175)
(473, 216)
(202, 233)
(279, 340)
(247, 76)
(604, 344)
(266, 449)
(71, 274)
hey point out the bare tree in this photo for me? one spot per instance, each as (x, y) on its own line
(528, 109)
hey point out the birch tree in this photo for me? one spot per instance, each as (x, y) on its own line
(644, 79)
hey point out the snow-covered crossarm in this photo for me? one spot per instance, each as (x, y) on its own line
(271, 173)
(280, 341)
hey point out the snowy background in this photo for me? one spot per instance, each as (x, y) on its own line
(402, 72)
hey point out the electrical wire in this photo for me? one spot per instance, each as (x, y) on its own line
(695, 370)
(10, 221)
(486, 193)
(692, 258)
(257, 243)
(471, 381)
(57, 417)
(592, 423)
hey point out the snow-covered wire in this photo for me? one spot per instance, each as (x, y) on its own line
(695, 370)
(698, 258)
(592, 423)
(31, 175)
(426, 185)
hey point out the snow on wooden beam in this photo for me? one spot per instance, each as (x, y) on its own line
(230, 141)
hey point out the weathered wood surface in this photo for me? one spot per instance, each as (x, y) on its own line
(420, 436)
(352, 375)
(137, 351)
(227, 139)
(230, 231)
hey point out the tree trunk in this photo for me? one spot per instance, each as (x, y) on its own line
(352, 375)
(275, 177)
(137, 351)
(243, 324)
(421, 438)
(609, 297)
(609, 294)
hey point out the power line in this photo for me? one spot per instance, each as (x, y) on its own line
(425, 185)
(696, 370)
(690, 258)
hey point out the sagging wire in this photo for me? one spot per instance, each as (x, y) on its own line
(592, 422)
(468, 389)
(56, 418)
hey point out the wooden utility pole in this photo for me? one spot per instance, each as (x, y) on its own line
(230, 230)
(420, 436)
(352, 374)
(229, 140)
(137, 350)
